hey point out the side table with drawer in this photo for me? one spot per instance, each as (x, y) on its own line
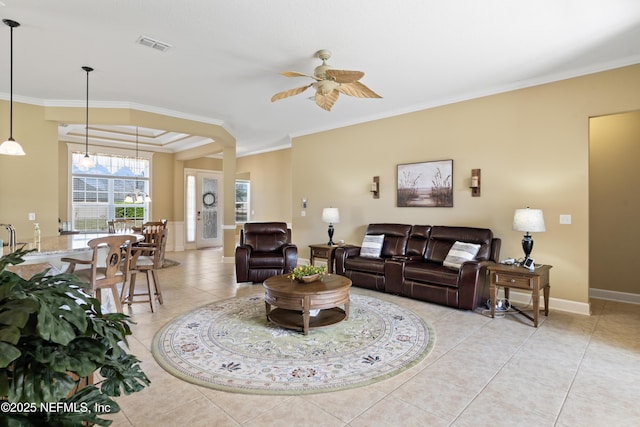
(514, 276)
(323, 251)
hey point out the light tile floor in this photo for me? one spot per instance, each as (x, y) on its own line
(573, 370)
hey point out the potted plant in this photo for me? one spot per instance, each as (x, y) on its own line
(307, 273)
(53, 338)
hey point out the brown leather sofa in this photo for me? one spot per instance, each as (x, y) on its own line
(411, 264)
(265, 250)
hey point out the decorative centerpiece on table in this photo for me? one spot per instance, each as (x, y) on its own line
(307, 273)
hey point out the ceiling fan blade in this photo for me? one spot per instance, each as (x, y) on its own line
(326, 101)
(344, 76)
(290, 92)
(296, 74)
(357, 89)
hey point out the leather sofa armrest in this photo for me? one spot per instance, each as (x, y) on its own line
(496, 243)
(290, 254)
(394, 274)
(469, 278)
(242, 263)
(342, 253)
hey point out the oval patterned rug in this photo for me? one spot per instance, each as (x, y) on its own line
(230, 345)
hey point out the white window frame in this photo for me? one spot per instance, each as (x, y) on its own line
(247, 202)
(110, 205)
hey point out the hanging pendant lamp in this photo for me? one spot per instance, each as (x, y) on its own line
(87, 162)
(10, 147)
(137, 196)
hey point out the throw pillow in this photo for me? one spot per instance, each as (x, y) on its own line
(372, 245)
(459, 253)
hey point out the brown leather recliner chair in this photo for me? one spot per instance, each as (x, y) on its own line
(265, 250)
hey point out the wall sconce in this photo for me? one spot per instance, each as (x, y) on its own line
(375, 187)
(475, 183)
(304, 203)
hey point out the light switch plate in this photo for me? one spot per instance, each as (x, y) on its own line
(565, 219)
(32, 216)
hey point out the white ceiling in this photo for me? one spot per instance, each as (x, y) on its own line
(226, 56)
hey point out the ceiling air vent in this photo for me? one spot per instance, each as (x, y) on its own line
(154, 44)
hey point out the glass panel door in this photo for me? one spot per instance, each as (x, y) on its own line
(209, 210)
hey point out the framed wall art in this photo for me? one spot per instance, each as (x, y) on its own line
(426, 184)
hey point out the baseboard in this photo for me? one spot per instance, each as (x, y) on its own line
(614, 296)
(524, 298)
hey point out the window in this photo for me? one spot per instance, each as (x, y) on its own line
(242, 201)
(191, 214)
(114, 188)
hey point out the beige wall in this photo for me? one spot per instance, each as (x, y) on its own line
(162, 177)
(271, 181)
(29, 183)
(614, 202)
(532, 147)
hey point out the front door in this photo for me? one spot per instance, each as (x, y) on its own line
(209, 215)
(203, 215)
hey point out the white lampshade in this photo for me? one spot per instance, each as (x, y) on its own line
(11, 148)
(529, 220)
(331, 215)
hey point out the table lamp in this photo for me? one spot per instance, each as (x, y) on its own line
(528, 220)
(330, 215)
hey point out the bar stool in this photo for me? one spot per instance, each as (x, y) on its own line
(146, 257)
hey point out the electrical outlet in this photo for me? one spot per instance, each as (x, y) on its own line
(565, 219)
(32, 216)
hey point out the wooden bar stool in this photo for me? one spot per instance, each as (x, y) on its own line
(146, 257)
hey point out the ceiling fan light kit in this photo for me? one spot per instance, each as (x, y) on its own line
(329, 84)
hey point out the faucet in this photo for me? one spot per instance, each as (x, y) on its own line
(12, 236)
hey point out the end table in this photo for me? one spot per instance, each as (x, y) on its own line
(323, 251)
(514, 276)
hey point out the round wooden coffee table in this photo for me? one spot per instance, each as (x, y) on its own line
(294, 301)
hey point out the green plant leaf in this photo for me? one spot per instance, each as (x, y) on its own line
(10, 334)
(8, 353)
(51, 328)
(122, 373)
(17, 312)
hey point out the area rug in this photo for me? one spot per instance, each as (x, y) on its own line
(169, 263)
(230, 345)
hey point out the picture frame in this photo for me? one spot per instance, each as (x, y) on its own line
(425, 184)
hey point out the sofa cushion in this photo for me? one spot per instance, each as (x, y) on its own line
(367, 265)
(460, 253)
(372, 245)
(442, 238)
(395, 238)
(430, 272)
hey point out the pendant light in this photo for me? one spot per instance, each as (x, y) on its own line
(87, 162)
(10, 146)
(137, 196)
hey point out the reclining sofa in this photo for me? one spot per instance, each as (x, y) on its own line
(424, 262)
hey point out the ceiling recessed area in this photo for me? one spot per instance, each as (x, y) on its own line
(226, 57)
(125, 137)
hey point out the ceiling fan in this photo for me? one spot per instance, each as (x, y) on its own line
(329, 83)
